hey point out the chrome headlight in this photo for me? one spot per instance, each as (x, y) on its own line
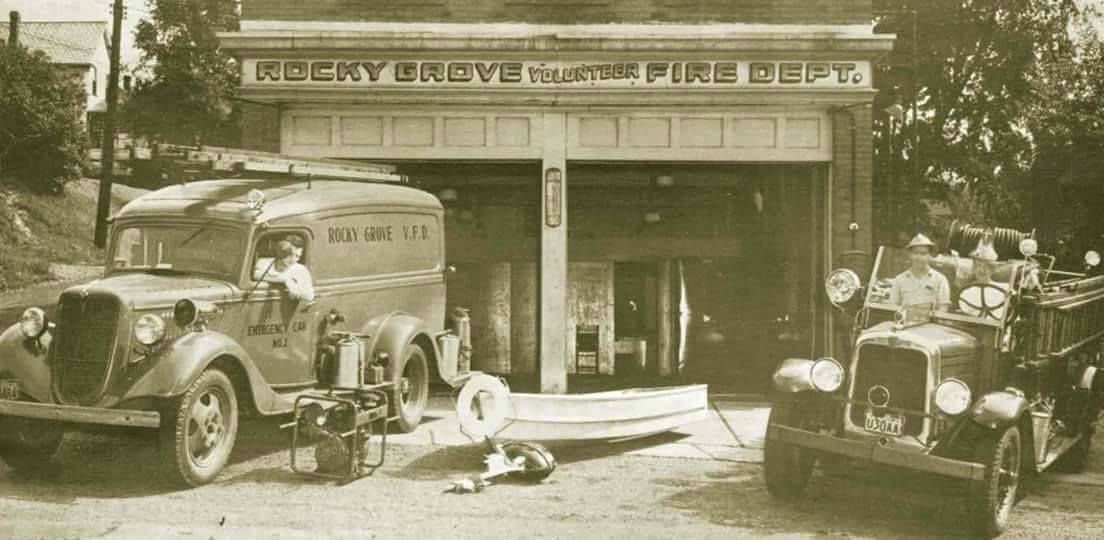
(842, 285)
(149, 329)
(952, 396)
(33, 323)
(826, 375)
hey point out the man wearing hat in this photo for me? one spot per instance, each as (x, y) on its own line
(287, 270)
(921, 285)
(984, 297)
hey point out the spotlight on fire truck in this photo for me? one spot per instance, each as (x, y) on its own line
(255, 199)
(842, 285)
(1092, 258)
(188, 312)
(1029, 247)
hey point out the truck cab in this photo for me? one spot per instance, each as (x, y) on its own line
(187, 329)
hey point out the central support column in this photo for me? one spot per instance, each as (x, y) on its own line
(553, 256)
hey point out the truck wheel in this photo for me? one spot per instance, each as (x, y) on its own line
(411, 394)
(200, 428)
(786, 468)
(28, 443)
(538, 460)
(992, 499)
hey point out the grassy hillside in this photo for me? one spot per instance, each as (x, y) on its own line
(39, 232)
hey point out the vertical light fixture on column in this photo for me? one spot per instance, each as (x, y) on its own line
(553, 197)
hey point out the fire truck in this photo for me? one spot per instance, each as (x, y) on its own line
(1005, 384)
(185, 332)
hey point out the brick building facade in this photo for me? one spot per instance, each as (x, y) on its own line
(632, 185)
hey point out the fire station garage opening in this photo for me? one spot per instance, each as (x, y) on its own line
(708, 270)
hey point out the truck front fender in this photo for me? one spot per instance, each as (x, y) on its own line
(997, 409)
(25, 360)
(391, 334)
(794, 375)
(171, 370)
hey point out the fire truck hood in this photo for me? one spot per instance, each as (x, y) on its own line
(149, 291)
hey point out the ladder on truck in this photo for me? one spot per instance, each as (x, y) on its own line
(221, 160)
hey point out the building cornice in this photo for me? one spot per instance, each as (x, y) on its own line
(267, 37)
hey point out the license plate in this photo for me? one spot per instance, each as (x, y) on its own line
(886, 424)
(9, 390)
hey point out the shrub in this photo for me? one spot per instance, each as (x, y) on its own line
(41, 129)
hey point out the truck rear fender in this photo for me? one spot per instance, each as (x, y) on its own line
(25, 360)
(392, 333)
(175, 367)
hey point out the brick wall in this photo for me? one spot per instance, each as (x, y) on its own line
(842, 177)
(566, 11)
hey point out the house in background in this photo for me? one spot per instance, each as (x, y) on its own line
(79, 49)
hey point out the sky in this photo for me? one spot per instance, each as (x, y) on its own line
(100, 10)
(81, 10)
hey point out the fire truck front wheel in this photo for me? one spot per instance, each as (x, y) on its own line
(787, 468)
(199, 429)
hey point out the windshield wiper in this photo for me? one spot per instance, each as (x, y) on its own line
(198, 232)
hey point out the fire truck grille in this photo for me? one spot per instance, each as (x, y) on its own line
(84, 345)
(903, 372)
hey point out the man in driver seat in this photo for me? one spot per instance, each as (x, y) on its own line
(983, 296)
(921, 285)
(287, 270)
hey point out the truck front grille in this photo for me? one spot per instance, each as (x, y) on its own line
(84, 345)
(903, 372)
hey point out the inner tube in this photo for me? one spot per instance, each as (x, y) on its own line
(486, 417)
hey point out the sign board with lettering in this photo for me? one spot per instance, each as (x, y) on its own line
(582, 75)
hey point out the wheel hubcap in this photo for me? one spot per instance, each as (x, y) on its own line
(206, 426)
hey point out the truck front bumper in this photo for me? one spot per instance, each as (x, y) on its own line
(81, 415)
(876, 453)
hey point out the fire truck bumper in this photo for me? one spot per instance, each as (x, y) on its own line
(873, 452)
(81, 415)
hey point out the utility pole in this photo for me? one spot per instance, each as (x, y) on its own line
(13, 28)
(915, 91)
(107, 158)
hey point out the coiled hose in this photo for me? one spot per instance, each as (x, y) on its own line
(964, 238)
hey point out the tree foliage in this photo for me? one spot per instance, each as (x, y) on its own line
(183, 89)
(41, 129)
(978, 65)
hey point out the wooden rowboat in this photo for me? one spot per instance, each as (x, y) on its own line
(612, 415)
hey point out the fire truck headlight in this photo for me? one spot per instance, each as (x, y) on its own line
(952, 397)
(33, 323)
(149, 329)
(841, 286)
(826, 375)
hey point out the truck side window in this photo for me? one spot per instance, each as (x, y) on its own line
(266, 248)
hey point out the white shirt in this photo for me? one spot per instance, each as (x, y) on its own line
(297, 279)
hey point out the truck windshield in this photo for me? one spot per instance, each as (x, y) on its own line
(976, 289)
(180, 249)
